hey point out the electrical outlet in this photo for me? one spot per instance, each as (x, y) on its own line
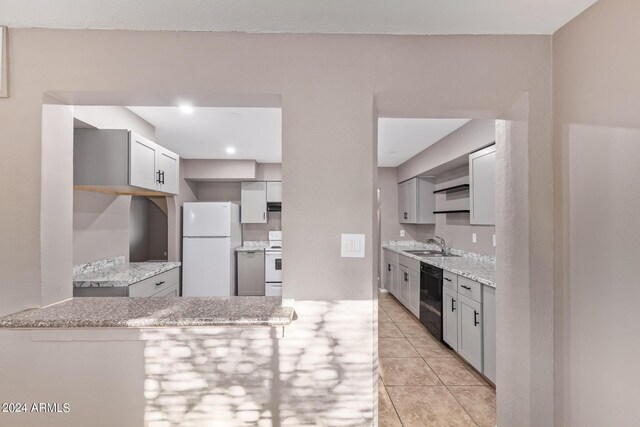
(401, 233)
(494, 240)
(474, 238)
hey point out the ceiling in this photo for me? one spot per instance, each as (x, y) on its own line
(401, 139)
(206, 133)
(300, 16)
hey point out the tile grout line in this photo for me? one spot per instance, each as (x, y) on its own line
(385, 386)
(435, 373)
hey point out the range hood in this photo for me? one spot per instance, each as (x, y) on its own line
(274, 207)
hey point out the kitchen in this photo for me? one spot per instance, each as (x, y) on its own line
(177, 201)
(557, 76)
(437, 276)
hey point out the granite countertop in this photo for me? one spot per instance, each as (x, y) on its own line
(149, 312)
(251, 246)
(121, 274)
(473, 267)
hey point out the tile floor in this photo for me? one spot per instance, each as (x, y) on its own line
(422, 383)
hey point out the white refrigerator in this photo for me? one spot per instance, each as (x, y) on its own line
(211, 232)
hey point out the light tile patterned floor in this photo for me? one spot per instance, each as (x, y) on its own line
(423, 383)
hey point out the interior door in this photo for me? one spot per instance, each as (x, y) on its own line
(169, 167)
(143, 168)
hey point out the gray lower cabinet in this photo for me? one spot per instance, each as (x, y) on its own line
(251, 280)
(470, 331)
(161, 285)
(469, 321)
(489, 332)
(390, 276)
(401, 277)
(450, 317)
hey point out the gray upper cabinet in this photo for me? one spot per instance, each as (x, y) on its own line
(169, 167)
(416, 201)
(253, 208)
(274, 192)
(143, 162)
(119, 161)
(482, 182)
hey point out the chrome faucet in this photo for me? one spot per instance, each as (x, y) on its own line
(441, 243)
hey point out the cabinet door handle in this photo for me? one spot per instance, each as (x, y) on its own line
(162, 177)
(475, 318)
(264, 215)
(406, 216)
(453, 305)
(406, 277)
(466, 287)
(447, 279)
(160, 283)
(388, 267)
(158, 180)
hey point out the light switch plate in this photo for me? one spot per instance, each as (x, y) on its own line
(494, 240)
(474, 237)
(352, 246)
(401, 233)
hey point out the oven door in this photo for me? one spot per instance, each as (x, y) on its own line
(273, 267)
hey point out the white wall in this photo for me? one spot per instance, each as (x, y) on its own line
(597, 143)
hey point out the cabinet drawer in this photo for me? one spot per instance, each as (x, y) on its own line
(156, 284)
(171, 291)
(450, 280)
(470, 289)
(410, 263)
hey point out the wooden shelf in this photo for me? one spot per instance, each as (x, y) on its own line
(454, 211)
(453, 189)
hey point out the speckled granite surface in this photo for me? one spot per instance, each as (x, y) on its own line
(121, 274)
(123, 312)
(98, 265)
(466, 266)
(249, 246)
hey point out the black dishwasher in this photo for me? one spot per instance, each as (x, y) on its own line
(431, 299)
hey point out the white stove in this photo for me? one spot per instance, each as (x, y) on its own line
(273, 265)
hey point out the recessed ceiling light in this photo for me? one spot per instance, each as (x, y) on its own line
(231, 150)
(186, 109)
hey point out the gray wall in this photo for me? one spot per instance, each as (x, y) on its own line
(100, 226)
(597, 200)
(147, 231)
(455, 228)
(327, 85)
